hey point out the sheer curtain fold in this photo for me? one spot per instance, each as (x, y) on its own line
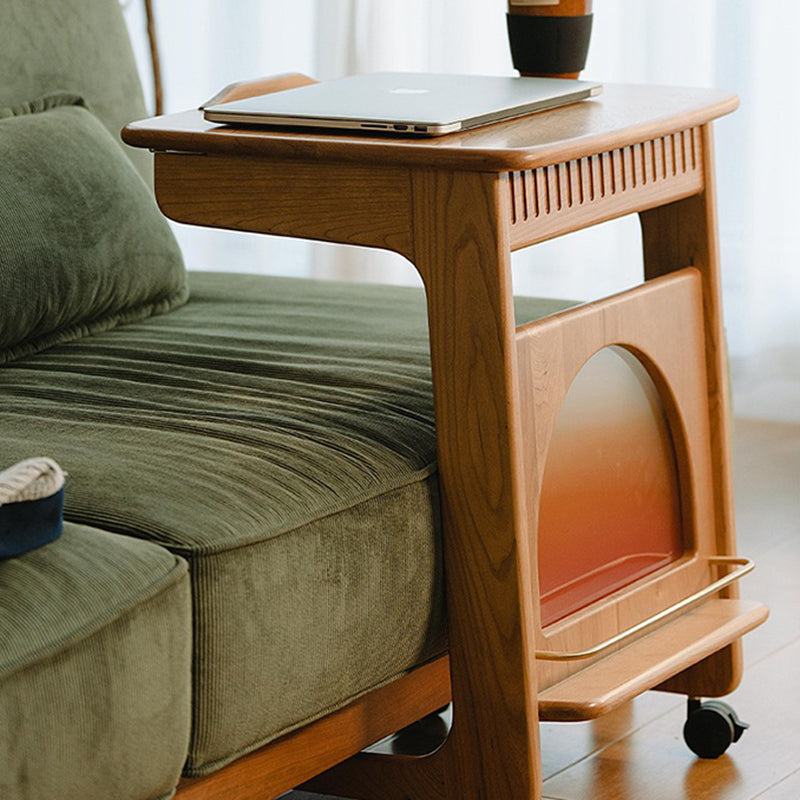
(740, 45)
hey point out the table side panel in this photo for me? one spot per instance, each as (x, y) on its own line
(660, 321)
(553, 200)
(366, 206)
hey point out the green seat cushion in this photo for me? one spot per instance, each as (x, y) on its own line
(94, 669)
(78, 46)
(279, 434)
(83, 246)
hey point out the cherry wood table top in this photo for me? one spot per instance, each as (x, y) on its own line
(622, 115)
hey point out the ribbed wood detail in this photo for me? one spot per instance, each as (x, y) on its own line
(551, 200)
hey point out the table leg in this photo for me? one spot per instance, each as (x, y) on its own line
(461, 249)
(677, 235)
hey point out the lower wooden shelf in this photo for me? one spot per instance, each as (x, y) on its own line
(651, 660)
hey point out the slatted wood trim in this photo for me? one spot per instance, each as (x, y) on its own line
(556, 199)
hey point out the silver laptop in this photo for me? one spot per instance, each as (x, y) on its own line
(408, 103)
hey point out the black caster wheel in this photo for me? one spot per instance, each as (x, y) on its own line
(711, 727)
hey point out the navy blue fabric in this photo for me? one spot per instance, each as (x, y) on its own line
(30, 524)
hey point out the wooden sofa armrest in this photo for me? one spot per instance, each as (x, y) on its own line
(257, 86)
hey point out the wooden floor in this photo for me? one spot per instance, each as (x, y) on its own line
(637, 753)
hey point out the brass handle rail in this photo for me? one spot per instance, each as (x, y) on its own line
(745, 566)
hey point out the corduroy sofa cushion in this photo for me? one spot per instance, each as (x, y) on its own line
(278, 434)
(83, 246)
(94, 669)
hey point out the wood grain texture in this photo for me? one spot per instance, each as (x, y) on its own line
(661, 322)
(621, 116)
(654, 762)
(636, 751)
(461, 250)
(550, 201)
(452, 214)
(676, 235)
(618, 678)
(281, 765)
(353, 205)
(685, 234)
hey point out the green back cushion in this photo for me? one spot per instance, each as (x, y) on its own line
(83, 246)
(78, 46)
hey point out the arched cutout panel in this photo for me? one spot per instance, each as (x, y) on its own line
(610, 504)
(660, 325)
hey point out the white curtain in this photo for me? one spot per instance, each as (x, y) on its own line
(741, 45)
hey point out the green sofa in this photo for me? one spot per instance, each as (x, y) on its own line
(252, 534)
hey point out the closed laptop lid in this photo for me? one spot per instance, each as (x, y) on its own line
(422, 103)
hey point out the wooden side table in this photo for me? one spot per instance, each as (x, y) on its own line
(456, 207)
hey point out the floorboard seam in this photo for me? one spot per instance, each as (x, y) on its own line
(779, 649)
(609, 744)
(776, 784)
